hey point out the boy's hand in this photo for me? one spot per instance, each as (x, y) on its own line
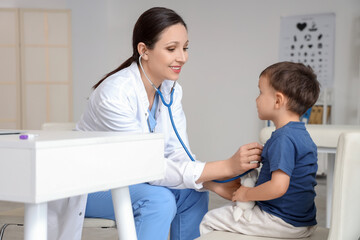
(240, 194)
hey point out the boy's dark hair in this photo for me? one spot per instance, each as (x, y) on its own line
(297, 82)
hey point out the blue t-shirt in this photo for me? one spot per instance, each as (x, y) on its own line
(291, 150)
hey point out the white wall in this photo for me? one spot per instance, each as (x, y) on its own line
(230, 43)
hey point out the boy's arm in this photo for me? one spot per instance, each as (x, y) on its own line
(269, 190)
(224, 190)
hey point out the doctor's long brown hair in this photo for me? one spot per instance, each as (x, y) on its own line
(147, 29)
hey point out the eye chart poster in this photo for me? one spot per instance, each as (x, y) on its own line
(309, 39)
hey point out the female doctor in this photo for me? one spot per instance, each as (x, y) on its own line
(126, 101)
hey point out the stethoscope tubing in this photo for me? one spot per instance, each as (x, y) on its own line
(168, 105)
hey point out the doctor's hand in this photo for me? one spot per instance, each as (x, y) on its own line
(239, 163)
(225, 190)
(247, 157)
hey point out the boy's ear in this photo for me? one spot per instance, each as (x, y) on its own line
(280, 100)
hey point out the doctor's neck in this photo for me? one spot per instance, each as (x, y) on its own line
(150, 91)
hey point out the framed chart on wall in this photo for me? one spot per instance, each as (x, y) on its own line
(309, 39)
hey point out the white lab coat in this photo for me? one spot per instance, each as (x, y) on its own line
(120, 103)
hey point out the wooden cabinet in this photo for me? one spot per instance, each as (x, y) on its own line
(10, 111)
(35, 67)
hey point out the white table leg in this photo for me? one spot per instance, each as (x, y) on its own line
(123, 213)
(329, 186)
(35, 221)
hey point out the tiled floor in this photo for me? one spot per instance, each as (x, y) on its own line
(16, 232)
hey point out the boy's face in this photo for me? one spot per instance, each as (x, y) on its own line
(266, 100)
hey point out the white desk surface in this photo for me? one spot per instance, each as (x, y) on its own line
(59, 164)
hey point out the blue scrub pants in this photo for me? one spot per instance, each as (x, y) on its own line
(156, 211)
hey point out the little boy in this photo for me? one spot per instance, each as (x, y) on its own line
(284, 192)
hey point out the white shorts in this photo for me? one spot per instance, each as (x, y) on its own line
(261, 224)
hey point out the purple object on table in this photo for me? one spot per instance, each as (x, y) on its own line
(24, 137)
(27, 136)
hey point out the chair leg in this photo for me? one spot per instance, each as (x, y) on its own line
(2, 230)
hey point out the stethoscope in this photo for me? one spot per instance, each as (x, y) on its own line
(168, 105)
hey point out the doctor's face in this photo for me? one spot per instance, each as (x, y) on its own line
(266, 100)
(169, 54)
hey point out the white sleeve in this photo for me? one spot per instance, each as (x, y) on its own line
(181, 172)
(117, 116)
(110, 108)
